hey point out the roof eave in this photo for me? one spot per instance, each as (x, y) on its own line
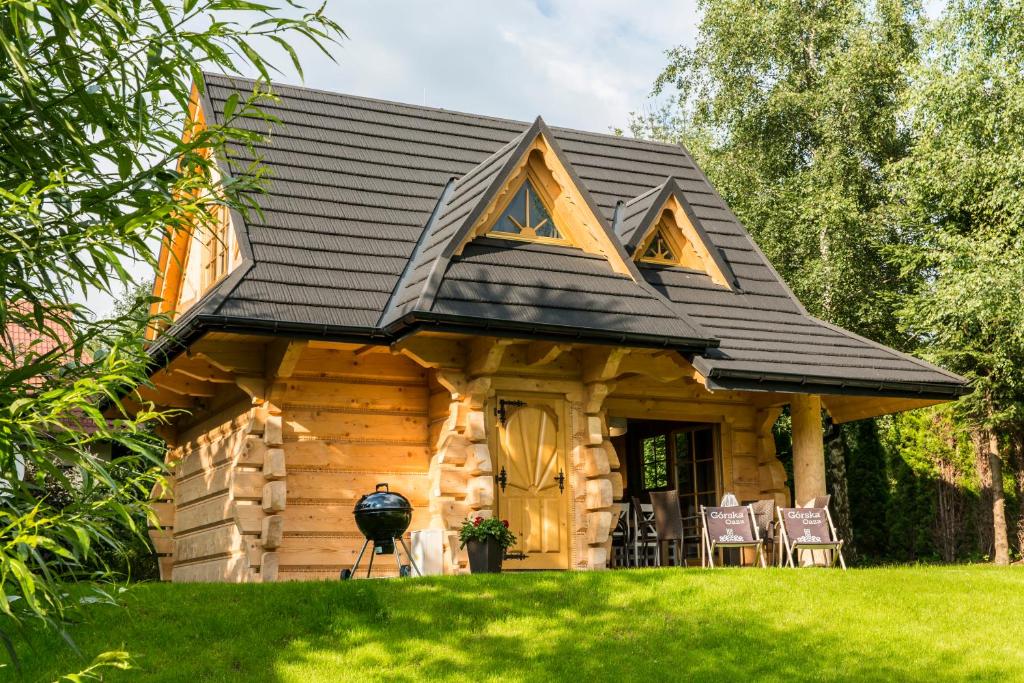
(419, 321)
(736, 380)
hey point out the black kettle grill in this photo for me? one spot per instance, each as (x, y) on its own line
(383, 518)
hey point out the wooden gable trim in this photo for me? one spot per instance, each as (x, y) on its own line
(176, 247)
(689, 249)
(672, 215)
(569, 208)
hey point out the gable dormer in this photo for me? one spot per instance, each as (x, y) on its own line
(517, 241)
(538, 199)
(660, 227)
(524, 192)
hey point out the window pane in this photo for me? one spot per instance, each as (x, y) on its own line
(527, 216)
(655, 462)
(688, 505)
(659, 249)
(684, 464)
(704, 444)
(516, 209)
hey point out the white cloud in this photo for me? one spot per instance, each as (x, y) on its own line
(578, 63)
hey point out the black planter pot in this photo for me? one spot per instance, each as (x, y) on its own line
(484, 556)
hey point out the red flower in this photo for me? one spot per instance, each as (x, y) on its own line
(478, 521)
(504, 523)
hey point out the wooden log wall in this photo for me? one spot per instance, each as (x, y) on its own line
(349, 421)
(263, 487)
(210, 495)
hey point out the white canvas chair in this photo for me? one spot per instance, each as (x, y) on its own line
(729, 527)
(809, 528)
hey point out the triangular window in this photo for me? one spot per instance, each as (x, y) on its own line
(659, 250)
(527, 218)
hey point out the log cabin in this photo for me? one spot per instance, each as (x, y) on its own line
(495, 317)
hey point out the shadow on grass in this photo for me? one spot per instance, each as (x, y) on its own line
(624, 625)
(628, 625)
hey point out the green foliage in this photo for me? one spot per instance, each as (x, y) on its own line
(654, 462)
(958, 192)
(793, 110)
(480, 529)
(876, 157)
(94, 168)
(906, 624)
(868, 485)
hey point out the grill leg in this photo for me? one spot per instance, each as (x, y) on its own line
(398, 558)
(409, 555)
(359, 558)
(370, 568)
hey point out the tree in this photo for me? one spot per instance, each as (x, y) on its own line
(94, 165)
(959, 194)
(793, 109)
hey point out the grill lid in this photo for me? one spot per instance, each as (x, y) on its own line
(382, 499)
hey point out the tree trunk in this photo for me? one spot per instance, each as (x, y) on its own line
(1017, 450)
(1002, 542)
(949, 514)
(992, 526)
(835, 469)
(985, 523)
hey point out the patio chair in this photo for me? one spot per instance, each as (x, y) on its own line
(644, 534)
(668, 524)
(809, 528)
(729, 527)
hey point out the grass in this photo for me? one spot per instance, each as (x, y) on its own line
(922, 624)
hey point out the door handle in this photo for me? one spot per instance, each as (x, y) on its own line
(561, 481)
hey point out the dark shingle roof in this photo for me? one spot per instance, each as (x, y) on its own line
(366, 199)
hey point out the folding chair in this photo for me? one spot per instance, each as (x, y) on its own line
(644, 534)
(729, 527)
(809, 529)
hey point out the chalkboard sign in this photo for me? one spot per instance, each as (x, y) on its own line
(806, 526)
(729, 525)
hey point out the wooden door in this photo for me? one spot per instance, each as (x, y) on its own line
(535, 499)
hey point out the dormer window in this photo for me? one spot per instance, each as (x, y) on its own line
(660, 250)
(527, 218)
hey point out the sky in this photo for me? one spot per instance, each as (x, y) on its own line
(579, 63)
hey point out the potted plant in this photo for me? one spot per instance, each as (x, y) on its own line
(486, 540)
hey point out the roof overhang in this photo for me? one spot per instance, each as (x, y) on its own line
(723, 379)
(193, 325)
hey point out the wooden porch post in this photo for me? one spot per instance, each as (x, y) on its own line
(808, 448)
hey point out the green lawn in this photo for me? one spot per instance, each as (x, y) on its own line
(921, 624)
